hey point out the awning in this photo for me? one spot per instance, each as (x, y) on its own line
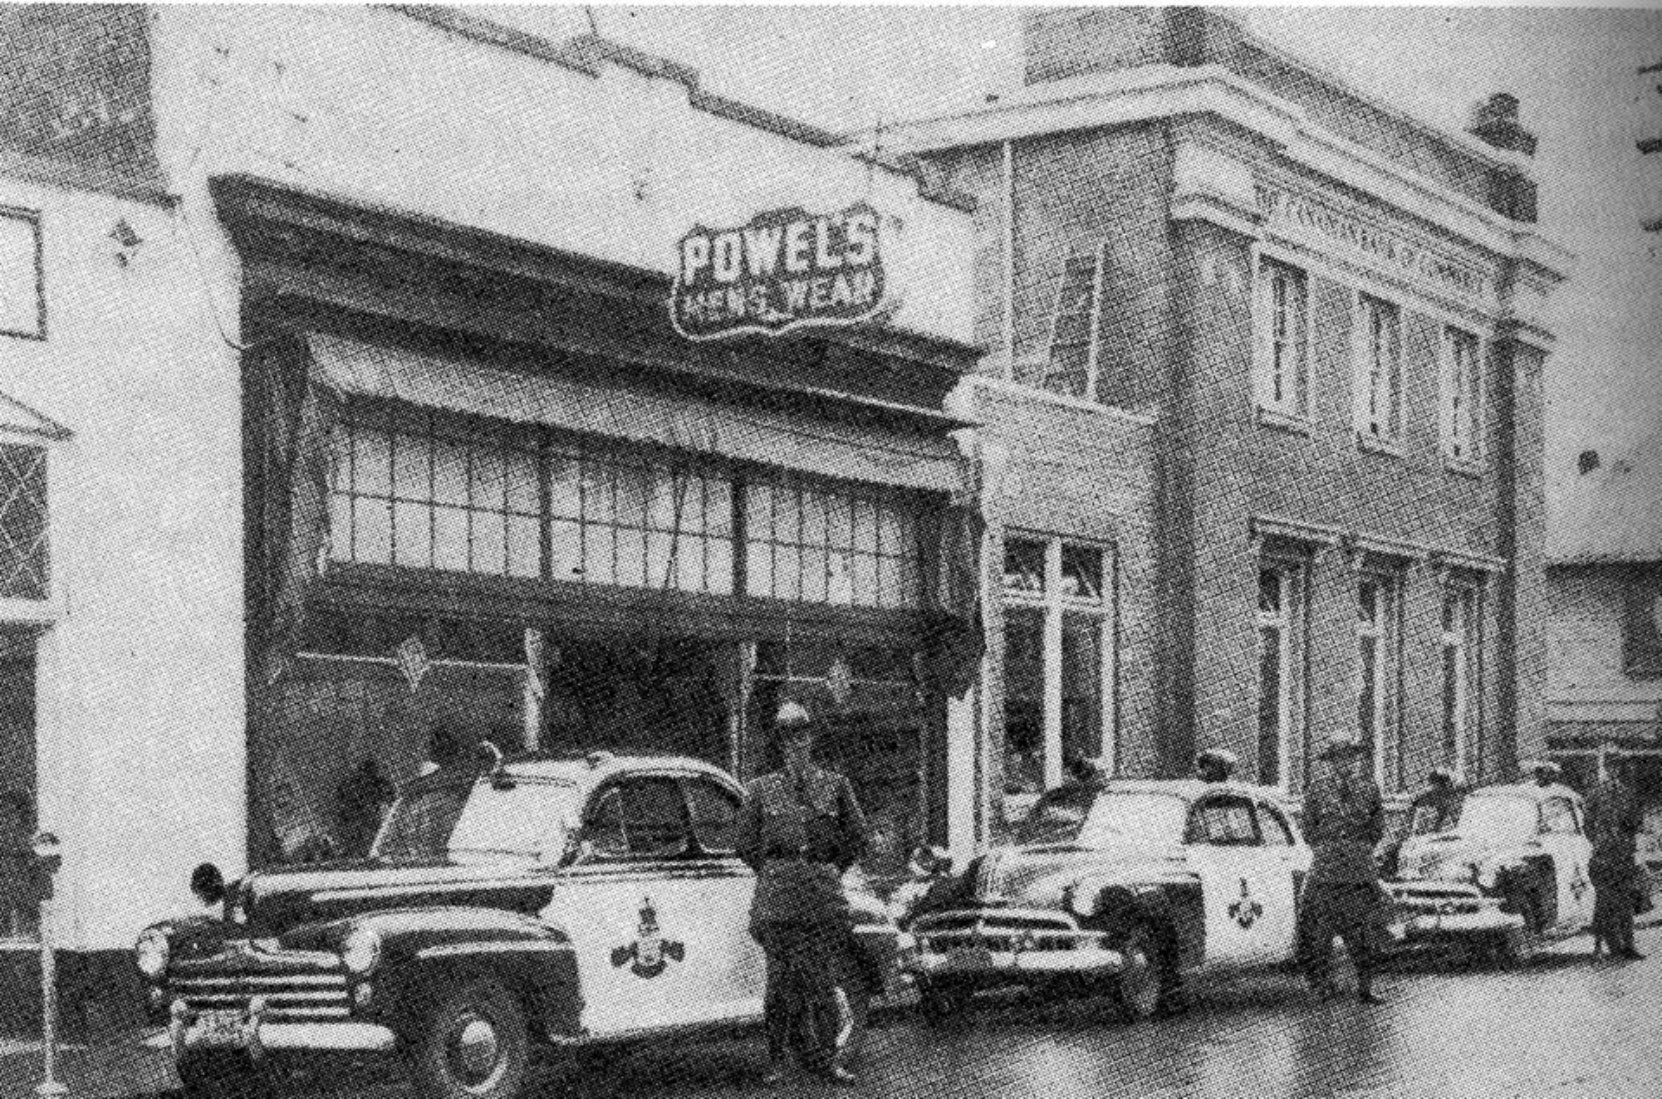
(766, 436)
(1613, 733)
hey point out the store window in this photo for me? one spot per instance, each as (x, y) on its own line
(1460, 679)
(20, 882)
(1642, 629)
(1070, 364)
(1058, 662)
(1282, 330)
(1279, 646)
(1377, 670)
(1459, 395)
(1379, 371)
(820, 544)
(23, 562)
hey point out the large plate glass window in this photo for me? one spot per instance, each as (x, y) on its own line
(1280, 644)
(1460, 395)
(1058, 663)
(1379, 370)
(1377, 664)
(816, 542)
(1282, 330)
(1460, 648)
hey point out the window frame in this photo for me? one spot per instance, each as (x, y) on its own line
(689, 783)
(35, 220)
(1293, 572)
(1097, 255)
(1264, 342)
(1451, 387)
(32, 573)
(1461, 714)
(1385, 631)
(620, 787)
(1055, 605)
(1365, 358)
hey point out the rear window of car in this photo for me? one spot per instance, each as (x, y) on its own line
(1277, 832)
(715, 816)
(1223, 822)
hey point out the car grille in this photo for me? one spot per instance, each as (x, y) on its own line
(296, 986)
(999, 930)
(1440, 899)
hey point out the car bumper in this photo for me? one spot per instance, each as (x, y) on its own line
(248, 1030)
(1441, 924)
(1001, 954)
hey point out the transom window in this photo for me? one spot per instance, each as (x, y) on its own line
(1379, 373)
(417, 490)
(1282, 329)
(1460, 393)
(23, 572)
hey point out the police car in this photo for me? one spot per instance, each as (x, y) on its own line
(1509, 872)
(1119, 886)
(548, 903)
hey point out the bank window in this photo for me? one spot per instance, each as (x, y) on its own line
(1282, 329)
(1459, 645)
(1070, 365)
(23, 571)
(817, 543)
(1280, 644)
(1459, 393)
(1379, 370)
(1058, 662)
(1377, 664)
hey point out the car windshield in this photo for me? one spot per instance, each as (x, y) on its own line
(479, 820)
(1087, 817)
(1498, 818)
(1434, 815)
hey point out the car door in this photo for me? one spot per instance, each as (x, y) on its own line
(1563, 838)
(1286, 862)
(737, 975)
(1227, 851)
(635, 913)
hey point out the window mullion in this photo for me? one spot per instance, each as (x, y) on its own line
(1053, 664)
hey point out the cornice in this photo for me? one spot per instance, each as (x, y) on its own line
(1158, 92)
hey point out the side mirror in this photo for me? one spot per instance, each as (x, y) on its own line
(208, 885)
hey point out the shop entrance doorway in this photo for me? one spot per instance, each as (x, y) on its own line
(19, 888)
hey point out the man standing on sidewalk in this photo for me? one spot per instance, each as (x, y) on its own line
(1613, 824)
(1344, 818)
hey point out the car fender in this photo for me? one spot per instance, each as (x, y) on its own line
(532, 958)
(1167, 900)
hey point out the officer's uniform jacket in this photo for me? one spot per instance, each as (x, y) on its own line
(1343, 819)
(1613, 826)
(800, 841)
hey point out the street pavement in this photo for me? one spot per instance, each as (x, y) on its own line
(1563, 1026)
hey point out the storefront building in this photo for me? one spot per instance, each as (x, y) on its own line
(1330, 317)
(1604, 603)
(452, 470)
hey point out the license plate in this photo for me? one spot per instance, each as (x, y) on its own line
(221, 1028)
(969, 957)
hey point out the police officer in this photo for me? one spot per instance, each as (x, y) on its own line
(1442, 796)
(1546, 772)
(1215, 765)
(1344, 818)
(1613, 824)
(800, 829)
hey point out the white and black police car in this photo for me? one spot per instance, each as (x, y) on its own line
(1508, 872)
(547, 903)
(1122, 887)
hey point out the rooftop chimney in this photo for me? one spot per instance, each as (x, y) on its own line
(1496, 123)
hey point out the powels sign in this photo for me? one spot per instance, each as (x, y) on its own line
(786, 269)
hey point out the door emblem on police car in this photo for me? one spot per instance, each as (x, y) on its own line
(1246, 910)
(1578, 884)
(650, 953)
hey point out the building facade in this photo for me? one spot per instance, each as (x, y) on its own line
(1329, 314)
(1604, 623)
(378, 435)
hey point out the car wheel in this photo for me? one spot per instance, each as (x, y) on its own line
(940, 1003)
(1137, 987)
(1518, 946)
(222, 1074)
(471, 1044)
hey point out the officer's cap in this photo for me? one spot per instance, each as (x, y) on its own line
(1342, 743)
(1445, 776)
(792, 719)
(1544, 770)
(1221, 758)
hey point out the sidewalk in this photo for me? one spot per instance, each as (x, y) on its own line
(114, 1065)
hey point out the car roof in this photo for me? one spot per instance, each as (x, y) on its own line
(1191, 788)
(593, 767)
(1530, 790)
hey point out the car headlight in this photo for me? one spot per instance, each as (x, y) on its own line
(151, 954)
(1454, 870)
(1082, 902)
(361, 951)
(1487, 876)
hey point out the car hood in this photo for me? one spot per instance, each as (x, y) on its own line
(272, 902)
(1442, 856)
(1040, 876)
